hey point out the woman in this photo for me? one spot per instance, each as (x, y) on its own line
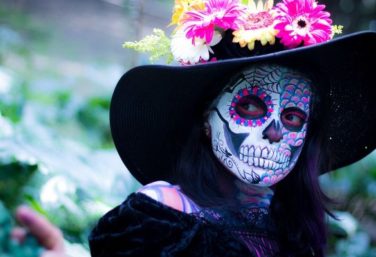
(230, 151)
(277, 101)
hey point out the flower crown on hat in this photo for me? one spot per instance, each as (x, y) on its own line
(201, 24)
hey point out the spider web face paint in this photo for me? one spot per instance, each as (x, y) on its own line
(259, 123)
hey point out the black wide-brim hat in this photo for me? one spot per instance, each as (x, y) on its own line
(153, 107)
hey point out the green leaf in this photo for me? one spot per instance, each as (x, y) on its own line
(157, 46)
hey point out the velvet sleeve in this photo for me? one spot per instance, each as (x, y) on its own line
(141, 226)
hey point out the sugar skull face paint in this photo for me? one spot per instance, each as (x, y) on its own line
(259, 123)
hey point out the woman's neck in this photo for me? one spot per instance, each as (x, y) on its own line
(253, 196)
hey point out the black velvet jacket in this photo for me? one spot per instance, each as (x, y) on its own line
(141, 226)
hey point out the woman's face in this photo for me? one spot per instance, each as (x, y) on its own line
(259, 123)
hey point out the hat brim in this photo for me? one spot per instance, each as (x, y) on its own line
(153, 107)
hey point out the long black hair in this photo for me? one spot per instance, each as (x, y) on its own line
(298, 205)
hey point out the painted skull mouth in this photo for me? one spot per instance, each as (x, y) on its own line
(263, 157)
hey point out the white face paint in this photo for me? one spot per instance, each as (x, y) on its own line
(259, 123)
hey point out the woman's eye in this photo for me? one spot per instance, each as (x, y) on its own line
(251, 107)
(293, 118)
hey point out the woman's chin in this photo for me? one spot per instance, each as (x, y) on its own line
(261, 177)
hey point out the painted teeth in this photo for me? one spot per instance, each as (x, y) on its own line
(246, 150)
(258, 152)
(263, 157)
(251, 151)
(262, 163)
(264, 153)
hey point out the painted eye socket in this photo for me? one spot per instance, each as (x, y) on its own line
(251, 107)
(293, 118)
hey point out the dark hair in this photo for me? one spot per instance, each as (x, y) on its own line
(298, 197)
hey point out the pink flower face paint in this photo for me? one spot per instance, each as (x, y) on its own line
(259, 123)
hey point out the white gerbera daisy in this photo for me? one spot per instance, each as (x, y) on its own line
(185, 52)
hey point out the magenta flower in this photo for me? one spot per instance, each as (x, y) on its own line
(222, 14)
(302, 21)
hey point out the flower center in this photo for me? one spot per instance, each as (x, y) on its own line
(259, 20)
(301, 25)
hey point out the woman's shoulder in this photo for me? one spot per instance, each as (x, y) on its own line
(142, 226)
(169, 195)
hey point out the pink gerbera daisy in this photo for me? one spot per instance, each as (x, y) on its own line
(302, 22)
(222, 14)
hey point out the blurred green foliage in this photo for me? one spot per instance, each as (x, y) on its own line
(56, 153)
(11, 186)
(354, 189)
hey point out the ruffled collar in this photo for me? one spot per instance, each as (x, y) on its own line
(245, 219)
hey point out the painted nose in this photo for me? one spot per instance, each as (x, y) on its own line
(273, 132)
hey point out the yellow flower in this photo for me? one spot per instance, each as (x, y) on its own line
(260, 6)
(183, 6)
(258, 26)
(336, 30)
(249, 37)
